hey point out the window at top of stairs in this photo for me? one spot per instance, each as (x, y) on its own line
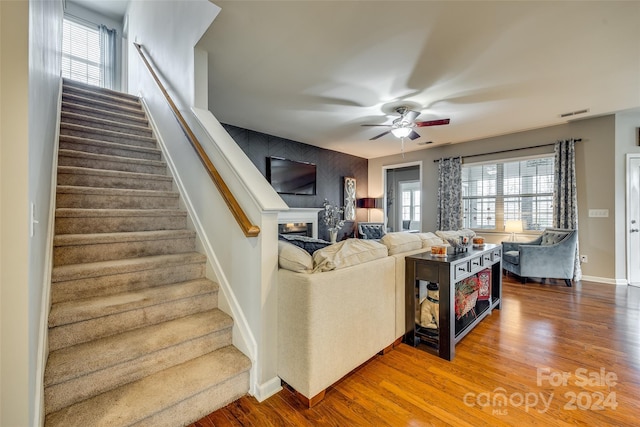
(88, 53)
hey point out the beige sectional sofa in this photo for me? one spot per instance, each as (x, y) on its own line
(340, 307)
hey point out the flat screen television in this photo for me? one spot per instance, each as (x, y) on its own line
(291, 177)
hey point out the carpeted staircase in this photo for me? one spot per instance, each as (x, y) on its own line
(135, 335)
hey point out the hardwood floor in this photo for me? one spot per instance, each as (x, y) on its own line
(552, 356)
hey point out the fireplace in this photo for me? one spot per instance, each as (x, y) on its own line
(301, 221)
(296, 228)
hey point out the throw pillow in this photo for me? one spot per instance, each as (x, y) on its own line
(347, 253)
(401, 242)
(430, 239)
(294, 258)
(309, 244)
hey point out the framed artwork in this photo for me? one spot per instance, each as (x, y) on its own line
(349, 198)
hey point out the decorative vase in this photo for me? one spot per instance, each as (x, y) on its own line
(333, 234)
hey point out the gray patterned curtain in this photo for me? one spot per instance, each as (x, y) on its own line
(450, 194)
(108, 56)
(565, 199)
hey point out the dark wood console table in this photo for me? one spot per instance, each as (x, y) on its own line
(447, 272)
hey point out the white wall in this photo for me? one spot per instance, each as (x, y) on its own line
(45, 44)
(244, 267)
(14, 256)
(29, 76)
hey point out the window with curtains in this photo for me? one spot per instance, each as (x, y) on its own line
(88, 53)
(493, 193)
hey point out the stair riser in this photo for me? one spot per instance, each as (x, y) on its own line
(101, 135)
(98, 201)
(110, 151)
(64, 255)
(89, 384)
(80, 99)
(111, 165)
(86, 180)
(118, 224)
(101, 96)
(200, 405)
(112, 126)
(125, 282)
(128, 118)
(79, 332)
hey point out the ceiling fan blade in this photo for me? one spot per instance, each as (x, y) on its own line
(381, 135)
(376, 125)
(413, 135)
(433, 123)
(411, 115)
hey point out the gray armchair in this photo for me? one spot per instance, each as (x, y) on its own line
(552, 255)
(371, 230)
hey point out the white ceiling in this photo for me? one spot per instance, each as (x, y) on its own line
(314, 71)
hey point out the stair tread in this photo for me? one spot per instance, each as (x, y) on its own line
(67, 312)
(123, 135)
(127, 236)
(106, 121)
(66, 83)
(109, 157)
(80, 359)
(78, 170)
(136, 401)
(107, 268)
(74, 189)
(101, 213)
(109, 144)
(101, 93)
(82, 99)
(134, 117)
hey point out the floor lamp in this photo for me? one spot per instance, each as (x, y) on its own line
(368, 203)
(513, 227)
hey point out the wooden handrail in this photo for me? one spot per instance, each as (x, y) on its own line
(249, 229)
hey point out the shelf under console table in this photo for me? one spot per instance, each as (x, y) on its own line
(449, 273)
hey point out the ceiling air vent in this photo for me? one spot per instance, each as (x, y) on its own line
(574, 113)
(424, 142)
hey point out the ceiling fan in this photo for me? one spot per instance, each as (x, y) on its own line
(403, 126)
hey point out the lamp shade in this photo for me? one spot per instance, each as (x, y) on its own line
(368, 203)
(401, 132)
(513, 226)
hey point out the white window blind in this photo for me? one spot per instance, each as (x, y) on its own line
(89, 53)
(515, 190)
(81, 53)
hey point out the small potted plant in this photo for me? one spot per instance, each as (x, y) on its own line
(332, 218)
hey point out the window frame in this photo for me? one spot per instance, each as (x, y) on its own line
(500, 196)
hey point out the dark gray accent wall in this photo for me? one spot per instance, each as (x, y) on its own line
(332, 167)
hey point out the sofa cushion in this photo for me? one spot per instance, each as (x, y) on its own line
(512, 257)
(347, 253)
(294, 258)
(309, 244)
(401, 242)
(552, 237)
(372, 231)
(429, 239)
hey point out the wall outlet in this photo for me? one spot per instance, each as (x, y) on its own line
(584, 259)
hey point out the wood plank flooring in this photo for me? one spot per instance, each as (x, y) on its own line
(553, 356)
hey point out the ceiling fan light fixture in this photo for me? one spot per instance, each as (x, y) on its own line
(401, 132)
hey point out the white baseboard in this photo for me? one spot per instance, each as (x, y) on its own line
(267, 389)
(605, 280)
